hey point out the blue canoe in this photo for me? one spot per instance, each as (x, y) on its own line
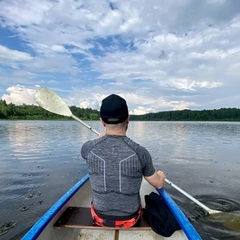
(70, 218)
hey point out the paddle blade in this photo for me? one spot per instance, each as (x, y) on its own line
(212, 211)
(51, 102)
(231, 220)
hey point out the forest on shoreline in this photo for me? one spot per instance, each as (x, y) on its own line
(33, 112)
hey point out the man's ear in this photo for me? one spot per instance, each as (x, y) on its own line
(103, 123)
(128, 119)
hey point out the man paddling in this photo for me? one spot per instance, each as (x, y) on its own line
(116, 165)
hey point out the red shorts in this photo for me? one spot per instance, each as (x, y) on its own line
(112, 223)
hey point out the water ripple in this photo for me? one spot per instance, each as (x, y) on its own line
(40, 161)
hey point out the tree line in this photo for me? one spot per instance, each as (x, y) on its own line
(32, 112)
(223, 114)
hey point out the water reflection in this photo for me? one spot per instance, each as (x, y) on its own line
(40, 160)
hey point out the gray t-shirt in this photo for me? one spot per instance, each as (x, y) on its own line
(116, 165)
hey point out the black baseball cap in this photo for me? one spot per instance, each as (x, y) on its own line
(114, 109)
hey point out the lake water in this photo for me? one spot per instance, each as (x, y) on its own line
(40, 161)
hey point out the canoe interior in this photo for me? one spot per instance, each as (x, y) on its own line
(80, 217)
(81, 201)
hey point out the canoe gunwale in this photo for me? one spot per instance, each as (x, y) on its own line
(42, 223)
(183, 221)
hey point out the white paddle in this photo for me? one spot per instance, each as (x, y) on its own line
(50, 101)
(207, 209)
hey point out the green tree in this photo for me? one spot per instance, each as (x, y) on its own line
(93, 116)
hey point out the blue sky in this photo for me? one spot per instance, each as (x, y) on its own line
(159, 55)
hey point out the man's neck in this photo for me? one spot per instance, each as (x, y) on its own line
(118, 132)
(116, 129)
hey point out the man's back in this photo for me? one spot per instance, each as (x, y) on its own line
(116, 165)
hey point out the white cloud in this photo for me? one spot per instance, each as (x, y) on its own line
(141, 110)
(191, 85)
(7, 54)
(26, 12)
(16, 76)
(84, 104)
(19, 95)
(58, 48)
(152, 52)
(89, 103)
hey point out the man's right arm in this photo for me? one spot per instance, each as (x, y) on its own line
(157, 180)
(85, 149)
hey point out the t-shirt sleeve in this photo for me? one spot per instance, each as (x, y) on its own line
(146, 161)
(86, 149)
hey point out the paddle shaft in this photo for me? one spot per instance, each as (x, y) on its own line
(187, 195)
(84, 124)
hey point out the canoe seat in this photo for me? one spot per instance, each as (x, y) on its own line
(80, 217)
